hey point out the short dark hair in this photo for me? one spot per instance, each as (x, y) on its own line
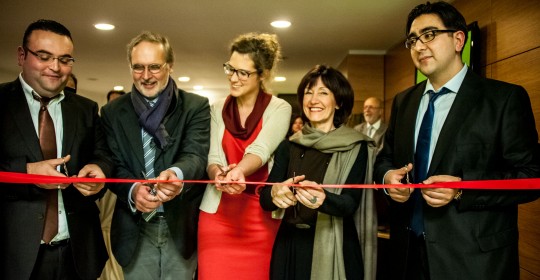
(334, 81)
(294, 116)
(120, 92)
(45, 25)
(449, 15)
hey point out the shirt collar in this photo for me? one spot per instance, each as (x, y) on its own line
(376, 125)
(27, 89)
(453, 84)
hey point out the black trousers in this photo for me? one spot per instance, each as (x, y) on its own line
(417, 259)
(55, 262)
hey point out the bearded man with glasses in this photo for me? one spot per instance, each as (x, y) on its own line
(156, 131)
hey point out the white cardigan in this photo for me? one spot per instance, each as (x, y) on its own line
(275, 124)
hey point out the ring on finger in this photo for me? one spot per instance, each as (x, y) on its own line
(313, 200)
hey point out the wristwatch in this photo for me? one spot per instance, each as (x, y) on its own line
(458, 195)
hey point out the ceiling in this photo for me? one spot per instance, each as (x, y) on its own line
(200, 32)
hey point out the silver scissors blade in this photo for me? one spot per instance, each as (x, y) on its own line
(152, 187)
(224, 171)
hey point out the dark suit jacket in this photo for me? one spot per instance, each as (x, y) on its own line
(188, 123)
(23, 206)
(489, 134)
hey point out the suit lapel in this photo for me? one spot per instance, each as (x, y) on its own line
(70, 127)
(21, 116)
(379, 133)
(463, 105)
(132, 131)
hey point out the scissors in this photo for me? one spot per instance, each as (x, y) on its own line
(293, 189)
(224, 171)
(152, 186)
(148, 216)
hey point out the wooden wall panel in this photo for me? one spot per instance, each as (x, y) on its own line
(366, 75)
(524, 70)
(399, 74)
(516, 27)
(529, 235)
(480, 11)
(525, 275)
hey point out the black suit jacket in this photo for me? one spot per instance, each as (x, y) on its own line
(23, 206)
(489, 134)
(188, 124)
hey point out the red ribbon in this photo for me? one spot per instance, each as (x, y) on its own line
(513, 184)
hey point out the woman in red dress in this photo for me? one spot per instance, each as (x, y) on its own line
(235, 235)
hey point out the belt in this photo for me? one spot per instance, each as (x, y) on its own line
(57, 243)
(160, 215)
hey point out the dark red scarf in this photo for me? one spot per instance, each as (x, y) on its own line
(231, 116)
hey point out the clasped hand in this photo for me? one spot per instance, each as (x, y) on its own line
(230, 173)
(148, 197)
(49, 168)
(311, 196)
(434, 197)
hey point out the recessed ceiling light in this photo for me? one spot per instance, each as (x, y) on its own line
(281, 23)
(198, 87)
(118, 88)
(104, 26)
(184, 79)
(280, 79)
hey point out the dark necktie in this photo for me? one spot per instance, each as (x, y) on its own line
(149, 149)
(421, 159)
(47, 141)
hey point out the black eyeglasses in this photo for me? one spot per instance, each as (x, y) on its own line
(242, 74)
(425, 37)
(153, 68)
(45, 57)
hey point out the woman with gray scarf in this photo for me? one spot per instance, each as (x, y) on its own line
(318, 237)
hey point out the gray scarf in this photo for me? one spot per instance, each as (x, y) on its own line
(344, 144)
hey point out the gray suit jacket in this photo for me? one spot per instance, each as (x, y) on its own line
(22, 207)
(378, 137)
(188, 124)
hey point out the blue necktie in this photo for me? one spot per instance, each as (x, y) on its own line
(149, 149)
(421, 160)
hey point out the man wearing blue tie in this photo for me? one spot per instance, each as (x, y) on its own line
(455, 126)
(156, 131)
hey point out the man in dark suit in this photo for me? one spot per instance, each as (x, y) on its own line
(481, 129)
(156, 118)
(68, 244)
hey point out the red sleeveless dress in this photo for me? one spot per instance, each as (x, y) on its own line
(236, 242)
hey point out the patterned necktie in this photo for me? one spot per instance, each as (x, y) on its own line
(149, 149)
(47, 142)
(421, 159)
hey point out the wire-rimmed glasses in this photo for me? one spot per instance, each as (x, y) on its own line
(46, 57)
